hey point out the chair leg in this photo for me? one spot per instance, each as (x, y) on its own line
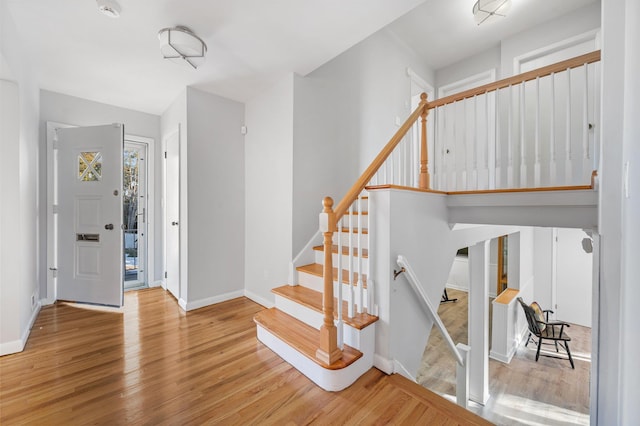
(539, 346)
(556, 342)
(528, 340)
(566, 346)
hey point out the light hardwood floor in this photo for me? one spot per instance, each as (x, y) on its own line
(152, 363)
(548, 392)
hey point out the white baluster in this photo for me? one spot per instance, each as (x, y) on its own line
(474, 156)
(586, 155)
(339, 325)
(510, 176)
(568, 168)
(536, 166)
(487, 175)
(350, 262)
(360, 283)
(523, 156)
(465, 145)
(497, 182)
(552, 134)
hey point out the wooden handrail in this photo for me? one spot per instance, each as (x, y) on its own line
(365, 178)
(518, 79)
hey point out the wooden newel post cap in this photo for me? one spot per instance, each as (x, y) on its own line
(328, 204)
(423, 97)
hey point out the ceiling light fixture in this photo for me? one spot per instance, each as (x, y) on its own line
(490, 10)
(182, 43)
(111, 8)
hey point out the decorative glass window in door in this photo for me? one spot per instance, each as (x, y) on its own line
(89, 166)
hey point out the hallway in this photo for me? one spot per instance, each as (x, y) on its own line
(523, 392)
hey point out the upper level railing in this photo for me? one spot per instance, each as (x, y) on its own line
(535, 129)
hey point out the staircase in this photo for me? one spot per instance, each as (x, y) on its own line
(292, 328)
(333, 347)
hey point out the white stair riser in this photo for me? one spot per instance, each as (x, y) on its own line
(364, 239)
(330, 380)
(316, 283)
(345, 261)
(353, 337)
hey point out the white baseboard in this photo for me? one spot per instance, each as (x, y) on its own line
(400, 369)
(183, 304)
(201, 303)
(158, 283)
(47, 302)
(383, 364)
(457, 287)
(258, 299)
(502, 358)
(16, 346)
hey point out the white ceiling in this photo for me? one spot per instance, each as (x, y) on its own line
(78, 51)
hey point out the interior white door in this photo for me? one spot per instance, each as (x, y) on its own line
(172, 223)
(574, 278)
(89, 188)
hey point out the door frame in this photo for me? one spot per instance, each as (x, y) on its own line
(150, 204)
(52, 219)
(181, 213)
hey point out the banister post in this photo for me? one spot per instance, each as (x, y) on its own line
(328, 352)
(424, 153)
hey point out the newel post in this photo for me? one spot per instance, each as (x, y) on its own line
(424, 153)
(328, 352)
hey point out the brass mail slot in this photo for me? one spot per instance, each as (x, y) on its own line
(88, 237)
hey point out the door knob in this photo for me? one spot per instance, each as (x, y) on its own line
(109, 226)
(174, 223)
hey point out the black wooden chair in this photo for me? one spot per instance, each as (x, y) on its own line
(540, 326)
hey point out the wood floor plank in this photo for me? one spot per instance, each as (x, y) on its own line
(154, 364)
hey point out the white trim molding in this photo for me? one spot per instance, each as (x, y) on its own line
(16, 346)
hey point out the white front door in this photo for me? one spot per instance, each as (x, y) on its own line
(172, 223)
(89, 199)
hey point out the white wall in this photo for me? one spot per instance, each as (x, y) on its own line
(577, 22)
(216, 197)
(66, 109)
(621, 210)
(345, 112)
(408, 223)
(268, 190)
(19, 211)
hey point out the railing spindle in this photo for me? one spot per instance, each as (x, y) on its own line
(360, 254)
(552, 134)
(536, 147)
(350, 264)
(586, 155)
(474, 157)
(523, 122)
(339, 324)
(568, 164)
(510, 171)
(498, 146)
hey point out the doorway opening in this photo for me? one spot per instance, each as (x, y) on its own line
(134, 214)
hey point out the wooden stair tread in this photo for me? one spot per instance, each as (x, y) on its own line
(313, 300)
(301, 337)
(317, 270)
(454, 411)
(356, 213)
(345, 251)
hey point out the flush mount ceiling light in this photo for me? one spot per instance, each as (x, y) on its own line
(180, 43)
(111, 8)
(490, 10)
